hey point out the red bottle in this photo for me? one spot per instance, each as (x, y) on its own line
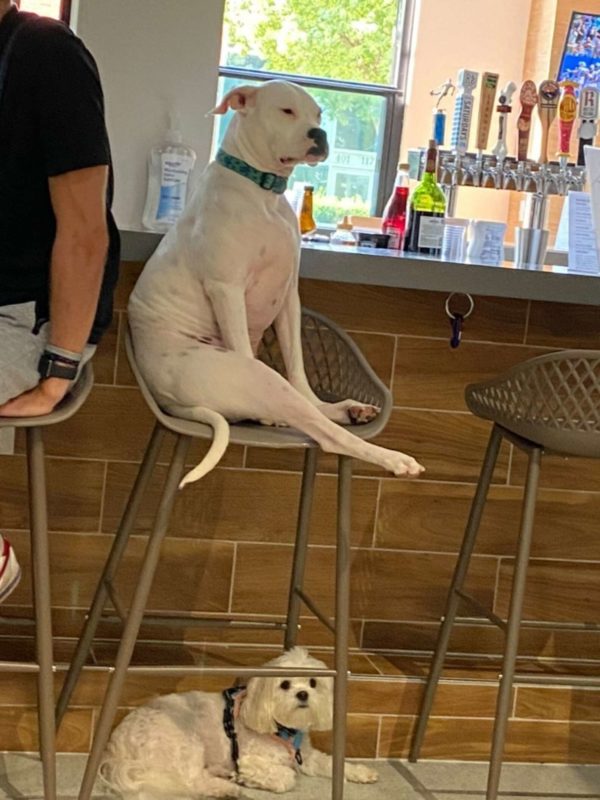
(394, 213)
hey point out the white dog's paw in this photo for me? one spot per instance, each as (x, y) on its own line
(360, 773)
(349, 411)
(269, 423)
(401, 464)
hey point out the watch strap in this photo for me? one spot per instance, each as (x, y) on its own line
(52, 365)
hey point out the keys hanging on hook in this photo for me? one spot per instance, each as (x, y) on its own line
(457, 324)
(457, 318)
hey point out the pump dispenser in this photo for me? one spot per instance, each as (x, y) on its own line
(170, 165)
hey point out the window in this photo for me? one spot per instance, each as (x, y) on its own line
(58, 9)
(351, 56)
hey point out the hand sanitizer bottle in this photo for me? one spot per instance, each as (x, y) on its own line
(169, 167)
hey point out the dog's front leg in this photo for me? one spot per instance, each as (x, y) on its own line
(261, 773)
(288, 326)
(229, 307)
(318, 764)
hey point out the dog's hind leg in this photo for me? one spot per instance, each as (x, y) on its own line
(211, 786)
(245, 388)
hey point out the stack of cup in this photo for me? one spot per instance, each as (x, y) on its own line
(454, 240)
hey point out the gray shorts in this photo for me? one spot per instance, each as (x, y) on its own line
(20, 350)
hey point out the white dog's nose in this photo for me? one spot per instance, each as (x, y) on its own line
(319, 137)
(302, 696)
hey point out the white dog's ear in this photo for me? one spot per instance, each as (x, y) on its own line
(322, 709)
(239, 99)
(257, 709)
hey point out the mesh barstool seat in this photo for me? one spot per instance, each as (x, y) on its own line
(40, 565)
(549, 404)
(336, 370)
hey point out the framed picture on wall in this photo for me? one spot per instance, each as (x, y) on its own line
(580, 60)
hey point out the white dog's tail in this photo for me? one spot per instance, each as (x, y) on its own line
(218, 445)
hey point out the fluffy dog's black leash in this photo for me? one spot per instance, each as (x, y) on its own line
(291, 736)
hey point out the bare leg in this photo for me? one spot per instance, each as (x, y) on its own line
(244, 388)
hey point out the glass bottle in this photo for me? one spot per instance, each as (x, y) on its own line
(427, 209)
(394, 213)
(343, 233)
(307, 221)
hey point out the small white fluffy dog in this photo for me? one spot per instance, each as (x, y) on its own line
(178, 746)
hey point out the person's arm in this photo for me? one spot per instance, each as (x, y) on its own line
(78, 255)
(76, 270)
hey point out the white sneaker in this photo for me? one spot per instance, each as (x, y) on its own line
(10, 571)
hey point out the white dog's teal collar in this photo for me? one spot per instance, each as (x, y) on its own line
(266, 180)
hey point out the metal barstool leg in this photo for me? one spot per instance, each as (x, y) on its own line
(300, 547)
(342, 622)
(110, 569)
(452, 603)
(40, 562)
(134, 617)
(514, 622)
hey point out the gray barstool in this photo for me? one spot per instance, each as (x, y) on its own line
(549, 404)
(40, 564)
(336, 370)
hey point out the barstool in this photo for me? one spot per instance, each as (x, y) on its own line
(336, 370)
(40, 563)
(547, 404)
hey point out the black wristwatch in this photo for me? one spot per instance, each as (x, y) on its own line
(52, 365)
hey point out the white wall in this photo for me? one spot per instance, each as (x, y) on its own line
(482, 35)
(153, 56)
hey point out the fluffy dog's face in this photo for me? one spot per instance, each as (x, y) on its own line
(301, 702)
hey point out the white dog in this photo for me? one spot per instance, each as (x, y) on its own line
(229, 269)
(206, 744)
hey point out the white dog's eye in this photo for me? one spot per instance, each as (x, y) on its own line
(285, 685)
(288, 111)
(312, 683)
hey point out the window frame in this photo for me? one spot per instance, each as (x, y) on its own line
(393, 94)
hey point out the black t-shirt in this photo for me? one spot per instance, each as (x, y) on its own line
(51, 122)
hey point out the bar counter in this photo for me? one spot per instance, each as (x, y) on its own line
(359, 265)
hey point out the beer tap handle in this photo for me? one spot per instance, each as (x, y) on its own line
(547, 108)
(504, 108)
(463, 110)
(439, 115)
(529, 100)
(588, 125)
(489, 84)
(567, 111)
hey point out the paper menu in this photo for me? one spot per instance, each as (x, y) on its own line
(583, 249)
(592, 166)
